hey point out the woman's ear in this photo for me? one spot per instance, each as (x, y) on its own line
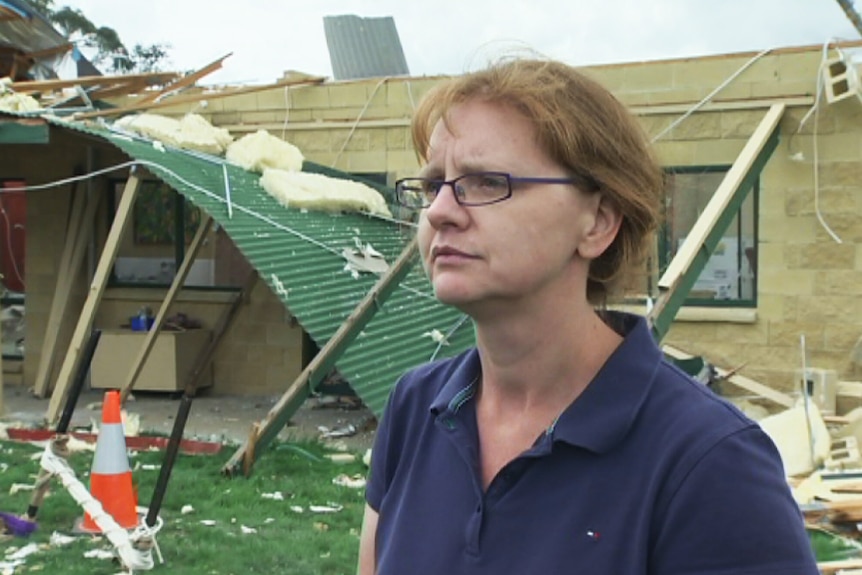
(604, 229)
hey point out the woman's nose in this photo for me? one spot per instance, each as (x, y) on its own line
(445, 207)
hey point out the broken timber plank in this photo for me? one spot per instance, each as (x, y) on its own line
(176, 285)
(61, 292)
(830, 567)
(219, 330)
(322, 363)
(185, 81)
(189, 98)
(683, 270)
(740, 381)
(100, 280)
(30, 86)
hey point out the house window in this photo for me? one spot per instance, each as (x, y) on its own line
(13, 208)
(163, 225)
(730, 275)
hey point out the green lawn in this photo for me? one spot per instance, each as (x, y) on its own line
(286, 541)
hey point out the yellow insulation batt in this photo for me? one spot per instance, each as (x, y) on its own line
(304, 190)
(192, 132)
(260, 150)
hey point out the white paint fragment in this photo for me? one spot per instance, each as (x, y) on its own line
(13, 554)
(99, 554)
(16, 487)
(60, 539)
(208, 522)
(353, 482)
(186, 509)
(328, 508)
(247, 530)
(279, 287)
(297, 509)
(275, 496)
(268, 520)
(364, 259)
(437, 336)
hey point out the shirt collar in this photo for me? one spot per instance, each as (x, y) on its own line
(602, 415)
(461, 385)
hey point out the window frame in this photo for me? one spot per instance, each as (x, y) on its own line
(665, 237)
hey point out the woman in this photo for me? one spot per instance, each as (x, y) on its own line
(562, 443)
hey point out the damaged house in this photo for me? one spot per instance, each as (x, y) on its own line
(777, 133)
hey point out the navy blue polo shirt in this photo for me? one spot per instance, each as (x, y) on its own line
(647, 471)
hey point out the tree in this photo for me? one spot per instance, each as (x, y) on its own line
(111, 53)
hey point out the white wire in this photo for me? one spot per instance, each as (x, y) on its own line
(711, 95)
(132, 557)
(9, 243)
(286, 113)
(358, 119)
(815, 110)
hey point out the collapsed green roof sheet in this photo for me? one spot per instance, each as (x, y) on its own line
(298, 253)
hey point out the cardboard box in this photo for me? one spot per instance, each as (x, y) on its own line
(166, 369)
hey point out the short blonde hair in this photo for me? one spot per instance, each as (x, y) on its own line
(585, 129)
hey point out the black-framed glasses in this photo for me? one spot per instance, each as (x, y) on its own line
(476, 189)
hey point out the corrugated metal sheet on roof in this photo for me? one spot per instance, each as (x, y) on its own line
(298, 254)
(364, 47)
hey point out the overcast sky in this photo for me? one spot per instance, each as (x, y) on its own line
(267, 37)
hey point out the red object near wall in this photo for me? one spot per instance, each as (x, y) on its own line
(13, 217)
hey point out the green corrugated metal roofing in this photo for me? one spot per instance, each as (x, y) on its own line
(298, 254)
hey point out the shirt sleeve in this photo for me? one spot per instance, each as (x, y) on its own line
(733, 514)
(382, 455)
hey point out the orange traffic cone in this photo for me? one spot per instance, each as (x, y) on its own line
(110, 475)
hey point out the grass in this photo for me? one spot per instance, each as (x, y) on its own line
(286, 542)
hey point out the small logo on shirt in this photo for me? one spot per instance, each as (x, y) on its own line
(594, 535)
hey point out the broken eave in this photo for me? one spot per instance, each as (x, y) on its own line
(24, 131)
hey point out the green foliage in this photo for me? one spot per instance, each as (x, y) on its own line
(111, 53)
(286, 542)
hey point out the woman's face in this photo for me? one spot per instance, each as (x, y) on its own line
(530, 246)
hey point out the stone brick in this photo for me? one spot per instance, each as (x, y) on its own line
(348, 94)
(740, 123)
(240, 102)
(783, 89)
(831, 200)
(304, 97)
(786, 282)
(358, 140)
(829, 308)
(403, 162)
(377, 139)
(743, 334)
(780, 228)
(770, 256)
(786, 333)
(840, 147)
(225, 118)
(698, 127)
(684, 333)
(256, 117)
(366, 161)
(839, 282)
(716, 152)
(312, 141)
(398, 138)
(848, 227)
(836, 173)
(675, 153)
(278, 99)
(821, 256)
(284, 336)
(841, 337)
